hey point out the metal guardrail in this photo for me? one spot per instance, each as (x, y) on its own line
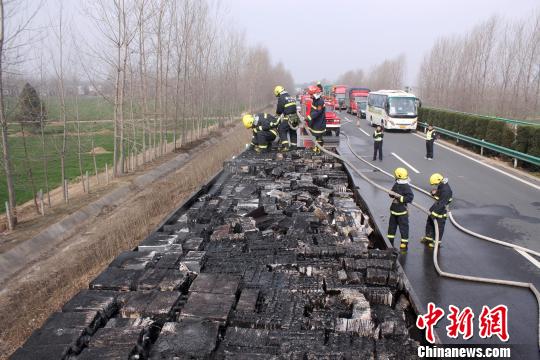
(509, 121)
(517, 155)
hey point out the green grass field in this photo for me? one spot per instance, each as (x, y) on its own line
(90, 110)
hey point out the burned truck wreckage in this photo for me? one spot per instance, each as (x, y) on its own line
(274, 260)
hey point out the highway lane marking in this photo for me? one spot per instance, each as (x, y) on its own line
(364, 131)
(358, 127)
(486, 165)
(406, 163)
(529, 257)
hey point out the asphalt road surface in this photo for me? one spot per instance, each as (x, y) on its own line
(486, 201)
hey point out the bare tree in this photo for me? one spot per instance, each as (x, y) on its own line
(492, 69)
(114, 22)
(9, 42)
(58, 65)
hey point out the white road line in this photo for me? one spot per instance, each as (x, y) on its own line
(486, 165)
(358, 127)
(529, 257)
(364, 131)
(406, 163)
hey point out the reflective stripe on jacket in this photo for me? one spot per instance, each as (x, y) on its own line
(265, 122)
(286, 104)
(443, 197)
(399, 205)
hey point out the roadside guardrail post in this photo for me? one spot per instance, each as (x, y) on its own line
(457, 139)
(515, 163)
(482, 149)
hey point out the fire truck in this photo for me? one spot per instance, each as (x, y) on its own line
(357, 101)
(333, 121)
(305, 104)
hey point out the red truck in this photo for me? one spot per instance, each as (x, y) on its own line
(305, 104)
(338, 93)
(357, 101)
(333, 122)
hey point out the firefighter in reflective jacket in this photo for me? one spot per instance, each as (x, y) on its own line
(316, 118)
(439, 210)
(430, 140)
(286, 106)
(264, 128)
(377, 143)
(399, 215)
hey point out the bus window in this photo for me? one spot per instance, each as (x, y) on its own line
(402, 106)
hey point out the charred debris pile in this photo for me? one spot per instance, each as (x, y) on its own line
(273, 262)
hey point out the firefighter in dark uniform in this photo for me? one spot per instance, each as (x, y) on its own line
(430, 140)
(317, 118)
(264, 128)
(399, 215)
(286, 106)
(377, 143)
(439, 210)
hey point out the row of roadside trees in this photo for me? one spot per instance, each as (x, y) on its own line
(493, 69)
(167, 70)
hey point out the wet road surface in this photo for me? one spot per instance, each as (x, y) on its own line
(485, 201)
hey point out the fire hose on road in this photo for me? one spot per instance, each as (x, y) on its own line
(436, 248)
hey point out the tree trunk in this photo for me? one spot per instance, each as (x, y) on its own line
(44, 154)
(29, 169)
(79, 142)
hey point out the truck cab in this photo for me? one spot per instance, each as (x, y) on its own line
(357, 100)
(339, 94)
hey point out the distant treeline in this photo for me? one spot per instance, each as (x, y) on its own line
(493, 69)
(161, 72)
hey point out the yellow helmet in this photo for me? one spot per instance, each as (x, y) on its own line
(248, 120)
(278, 90)
(401, 173)
(435, 179)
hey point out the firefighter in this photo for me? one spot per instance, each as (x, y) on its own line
(264, 128)
(377, 143)
(399, 215)
(286, 107)
(316, 118)
(430, 140)
(439, 210)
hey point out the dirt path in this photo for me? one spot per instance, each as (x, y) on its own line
(30, 297)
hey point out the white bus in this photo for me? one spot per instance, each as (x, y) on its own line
(392, 109)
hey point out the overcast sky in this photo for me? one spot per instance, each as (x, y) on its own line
(322, 39)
